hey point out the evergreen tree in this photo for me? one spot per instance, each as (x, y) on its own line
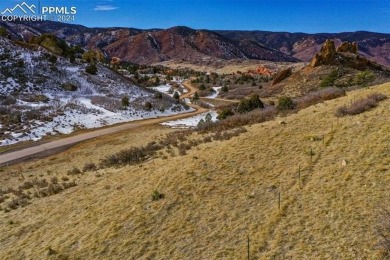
(176, 95)
(125, 101)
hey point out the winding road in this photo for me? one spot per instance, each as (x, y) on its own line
(49, 148)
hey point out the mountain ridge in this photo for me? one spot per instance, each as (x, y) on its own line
(248, 44)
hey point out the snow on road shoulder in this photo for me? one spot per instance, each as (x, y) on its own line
(190, 122)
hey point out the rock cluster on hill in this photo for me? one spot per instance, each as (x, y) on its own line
(348, 47)
(326, 56)
(345, 55)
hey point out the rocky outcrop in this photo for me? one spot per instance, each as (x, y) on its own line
(345, 55)
(282, 75)
(261, 71)
(326, 56)
(348, 47)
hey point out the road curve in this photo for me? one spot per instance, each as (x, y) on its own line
(52, 147)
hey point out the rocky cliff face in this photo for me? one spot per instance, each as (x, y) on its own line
(326, 56)
(346, 55)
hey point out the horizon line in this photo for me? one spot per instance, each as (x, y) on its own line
(167, 28)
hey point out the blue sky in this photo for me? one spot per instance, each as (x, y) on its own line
(288, 15)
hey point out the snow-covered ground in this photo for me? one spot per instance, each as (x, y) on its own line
(71, 119)
(190, 122)
(39, 97)
(215, 93)
(169, 90)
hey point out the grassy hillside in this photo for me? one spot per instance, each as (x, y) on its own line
(218, 194)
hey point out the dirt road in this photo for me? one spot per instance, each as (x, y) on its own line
(56, 146)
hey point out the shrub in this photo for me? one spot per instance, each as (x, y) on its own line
(89, 167)
(91, 69)
(17, 202)
(285, 103)
(383, 232)
(69, 87)
(156, 195)
(247, 105)
(3, 32)
(148, 106)
(225, 113)
(225, 89)
(202, 87)
(176, 95)
(329, 80)
(74, 171)
(364, 77)
(252, 117)
(125, 101)
(318, 96)
(195, 97)
(130, 156)
(361, 105)
(158, 95)
(52, 59)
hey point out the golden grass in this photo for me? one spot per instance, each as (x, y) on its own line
(219, 193)
(228, 67)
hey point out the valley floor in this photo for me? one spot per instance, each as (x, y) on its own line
(218, 194)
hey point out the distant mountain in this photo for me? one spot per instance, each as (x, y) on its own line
(183, 43)
(375, 46)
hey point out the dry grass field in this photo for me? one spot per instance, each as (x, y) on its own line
(229, 67)
(218, 194)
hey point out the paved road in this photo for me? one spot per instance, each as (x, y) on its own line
(59, 145)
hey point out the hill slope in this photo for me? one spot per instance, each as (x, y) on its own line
(43, 94)
(218, 194)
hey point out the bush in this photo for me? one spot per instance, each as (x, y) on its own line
(318, 96)
(176, 95)
(91, 69)
(125, 101)
(195, 97)
(69, 87)
(158, 95)
(252, 117)
(74, 171)
(247, 105)
(148, 106)
(156, 195)
(383, 232)
(89, 167)
(285, 103)
(131, 156)
(202, 87)
(329, 80)
(225, 113)
(225, 89)
(361, 105)
(364, 77)
(3, 32)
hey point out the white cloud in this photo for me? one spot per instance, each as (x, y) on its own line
(105, 8)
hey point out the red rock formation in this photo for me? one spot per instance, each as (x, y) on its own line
(348, 47)
(325, 56)
(261, 71)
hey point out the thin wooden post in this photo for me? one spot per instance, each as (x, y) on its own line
(248, 247)
(311, 155)
(299, 176)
